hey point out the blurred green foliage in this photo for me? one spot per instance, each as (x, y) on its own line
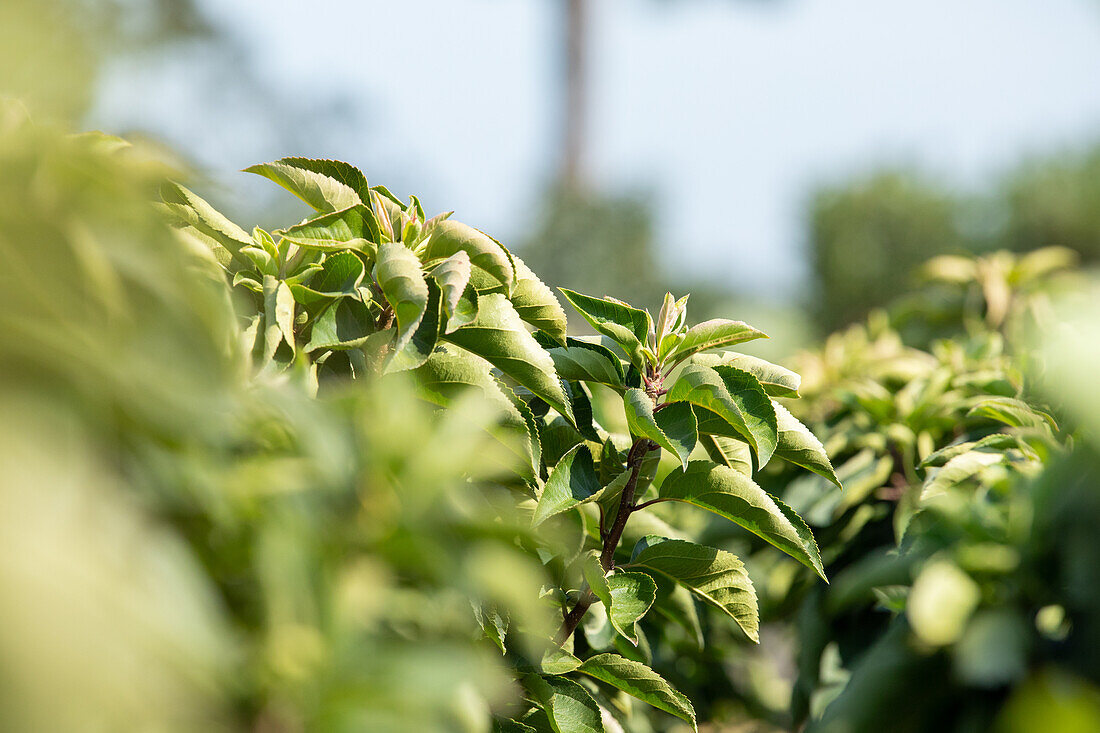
(191, 547)
(962, 594)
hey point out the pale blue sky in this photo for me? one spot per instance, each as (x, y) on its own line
(727, 111)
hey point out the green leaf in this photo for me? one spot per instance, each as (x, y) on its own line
(225, 238)
(580, 402)
(556, 660)
(639, 681)
(736, 497)
(326, 185)
(399, 275)
(626, 596)
(446, 374)
(339, 277)
(568, 706)
(416, 350)
(996, 441)
(679, 607)
(581, 361)
(499, 336)
(609, 497)
(452, 276)
(736, 399)
(533, 444)
(730, 452)
(465, 311)
(278, 316)
(345, 324)
(712, 335)
(629, 327)
(355, 227)
(572, 482)
(959, 469)
(777, 381)
(493, 624)
(801, 447)
(537, 304)
(1010, 411)
(716, 576)
(673, 427)
(492, 269)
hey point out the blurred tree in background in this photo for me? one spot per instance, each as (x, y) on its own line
(1055, 201)
(868, 235)
(867, 238)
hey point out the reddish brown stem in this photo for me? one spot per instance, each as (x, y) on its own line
(611, 539)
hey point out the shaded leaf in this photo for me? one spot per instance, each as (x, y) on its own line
(339, 277)
(572, 482)
(345, 324)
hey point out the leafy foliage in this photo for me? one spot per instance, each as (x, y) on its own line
(311, 469)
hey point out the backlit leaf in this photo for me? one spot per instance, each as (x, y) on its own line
(537, 304)
(568, 706)
(736, 399)
(352, 228)
(326, 185)
(801, 447)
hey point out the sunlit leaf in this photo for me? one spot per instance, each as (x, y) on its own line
(737, 497)
(639, 681)
(326, 185)
(713, 334)
(716, 576)
(499, 336)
